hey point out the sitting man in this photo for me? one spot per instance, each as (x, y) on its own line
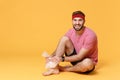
(78, 46)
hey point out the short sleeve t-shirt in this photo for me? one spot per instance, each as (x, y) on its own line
(87, 40)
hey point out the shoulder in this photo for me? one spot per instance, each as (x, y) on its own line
(70, 32)
(89, 32)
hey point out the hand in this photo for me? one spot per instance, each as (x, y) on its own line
(48, 59)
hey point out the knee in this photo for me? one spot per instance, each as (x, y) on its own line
(64, 39)
(88, 64)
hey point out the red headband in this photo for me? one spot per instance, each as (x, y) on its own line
(78, 15)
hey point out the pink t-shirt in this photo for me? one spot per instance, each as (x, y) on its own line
(87, 40)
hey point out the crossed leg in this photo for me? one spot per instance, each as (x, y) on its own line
(65, 46)
(86, 65)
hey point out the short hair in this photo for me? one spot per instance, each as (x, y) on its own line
(78, 12)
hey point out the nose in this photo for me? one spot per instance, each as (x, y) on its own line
(77, 22)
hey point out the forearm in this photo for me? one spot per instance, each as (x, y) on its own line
(83, 52)
(72, 58)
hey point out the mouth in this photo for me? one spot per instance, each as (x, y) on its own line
(77, 27)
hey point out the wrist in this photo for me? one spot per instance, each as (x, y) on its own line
(63, 59)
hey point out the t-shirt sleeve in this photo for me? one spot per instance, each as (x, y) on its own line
(90, 41)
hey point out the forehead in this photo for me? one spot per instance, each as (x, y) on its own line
(77, 18)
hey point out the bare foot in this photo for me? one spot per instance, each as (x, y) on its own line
(50, 72)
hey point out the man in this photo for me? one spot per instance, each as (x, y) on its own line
(80, 47)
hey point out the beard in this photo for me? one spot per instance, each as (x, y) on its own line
(77, 27)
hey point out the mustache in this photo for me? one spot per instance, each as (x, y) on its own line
(77, 24)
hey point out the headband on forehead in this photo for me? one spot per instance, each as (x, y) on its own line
(78, 15)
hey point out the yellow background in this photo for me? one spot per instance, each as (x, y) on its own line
(29, 27)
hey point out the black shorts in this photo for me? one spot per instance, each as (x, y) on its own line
(74, 53)
(75, 62)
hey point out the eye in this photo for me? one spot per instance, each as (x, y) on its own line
(80, 19)
(74, 20)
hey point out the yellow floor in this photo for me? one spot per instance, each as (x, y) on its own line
(31, 68)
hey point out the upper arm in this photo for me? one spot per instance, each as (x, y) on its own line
(90, 42)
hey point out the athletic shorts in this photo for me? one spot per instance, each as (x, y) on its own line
(74, 63)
